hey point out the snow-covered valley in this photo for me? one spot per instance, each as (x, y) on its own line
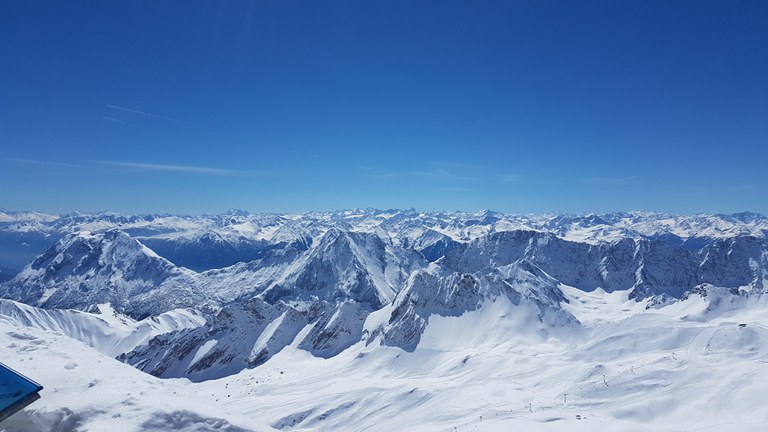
(391, 320)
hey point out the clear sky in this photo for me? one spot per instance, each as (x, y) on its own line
(517, 106)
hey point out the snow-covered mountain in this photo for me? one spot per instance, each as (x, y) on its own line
(214, 241)
(208, 298)
(347, 265)
(86, 269)
(316, 270)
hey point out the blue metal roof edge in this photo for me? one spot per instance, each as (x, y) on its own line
(32, 393)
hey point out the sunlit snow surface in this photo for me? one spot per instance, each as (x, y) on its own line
(696, 365)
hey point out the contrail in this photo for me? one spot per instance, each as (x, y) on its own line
(118, 121)
(151, 115)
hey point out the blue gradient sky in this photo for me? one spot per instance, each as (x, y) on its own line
(201, 106)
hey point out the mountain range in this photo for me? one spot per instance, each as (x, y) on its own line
(208, 297)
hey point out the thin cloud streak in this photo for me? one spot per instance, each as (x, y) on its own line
(172, 168)
(117, 121)
(151, 115)
(42, 162)
(446, 170)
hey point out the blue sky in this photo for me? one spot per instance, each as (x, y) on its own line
(535, 106)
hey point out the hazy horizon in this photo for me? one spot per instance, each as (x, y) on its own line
(375, 209)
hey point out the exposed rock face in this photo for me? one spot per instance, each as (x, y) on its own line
(347, 265)
(336, 330)
(245, 335)
(735, 262)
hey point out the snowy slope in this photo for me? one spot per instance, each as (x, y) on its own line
(88, 391)
(688, 366)
(696, 364)
(107, 331)
(676, 368)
